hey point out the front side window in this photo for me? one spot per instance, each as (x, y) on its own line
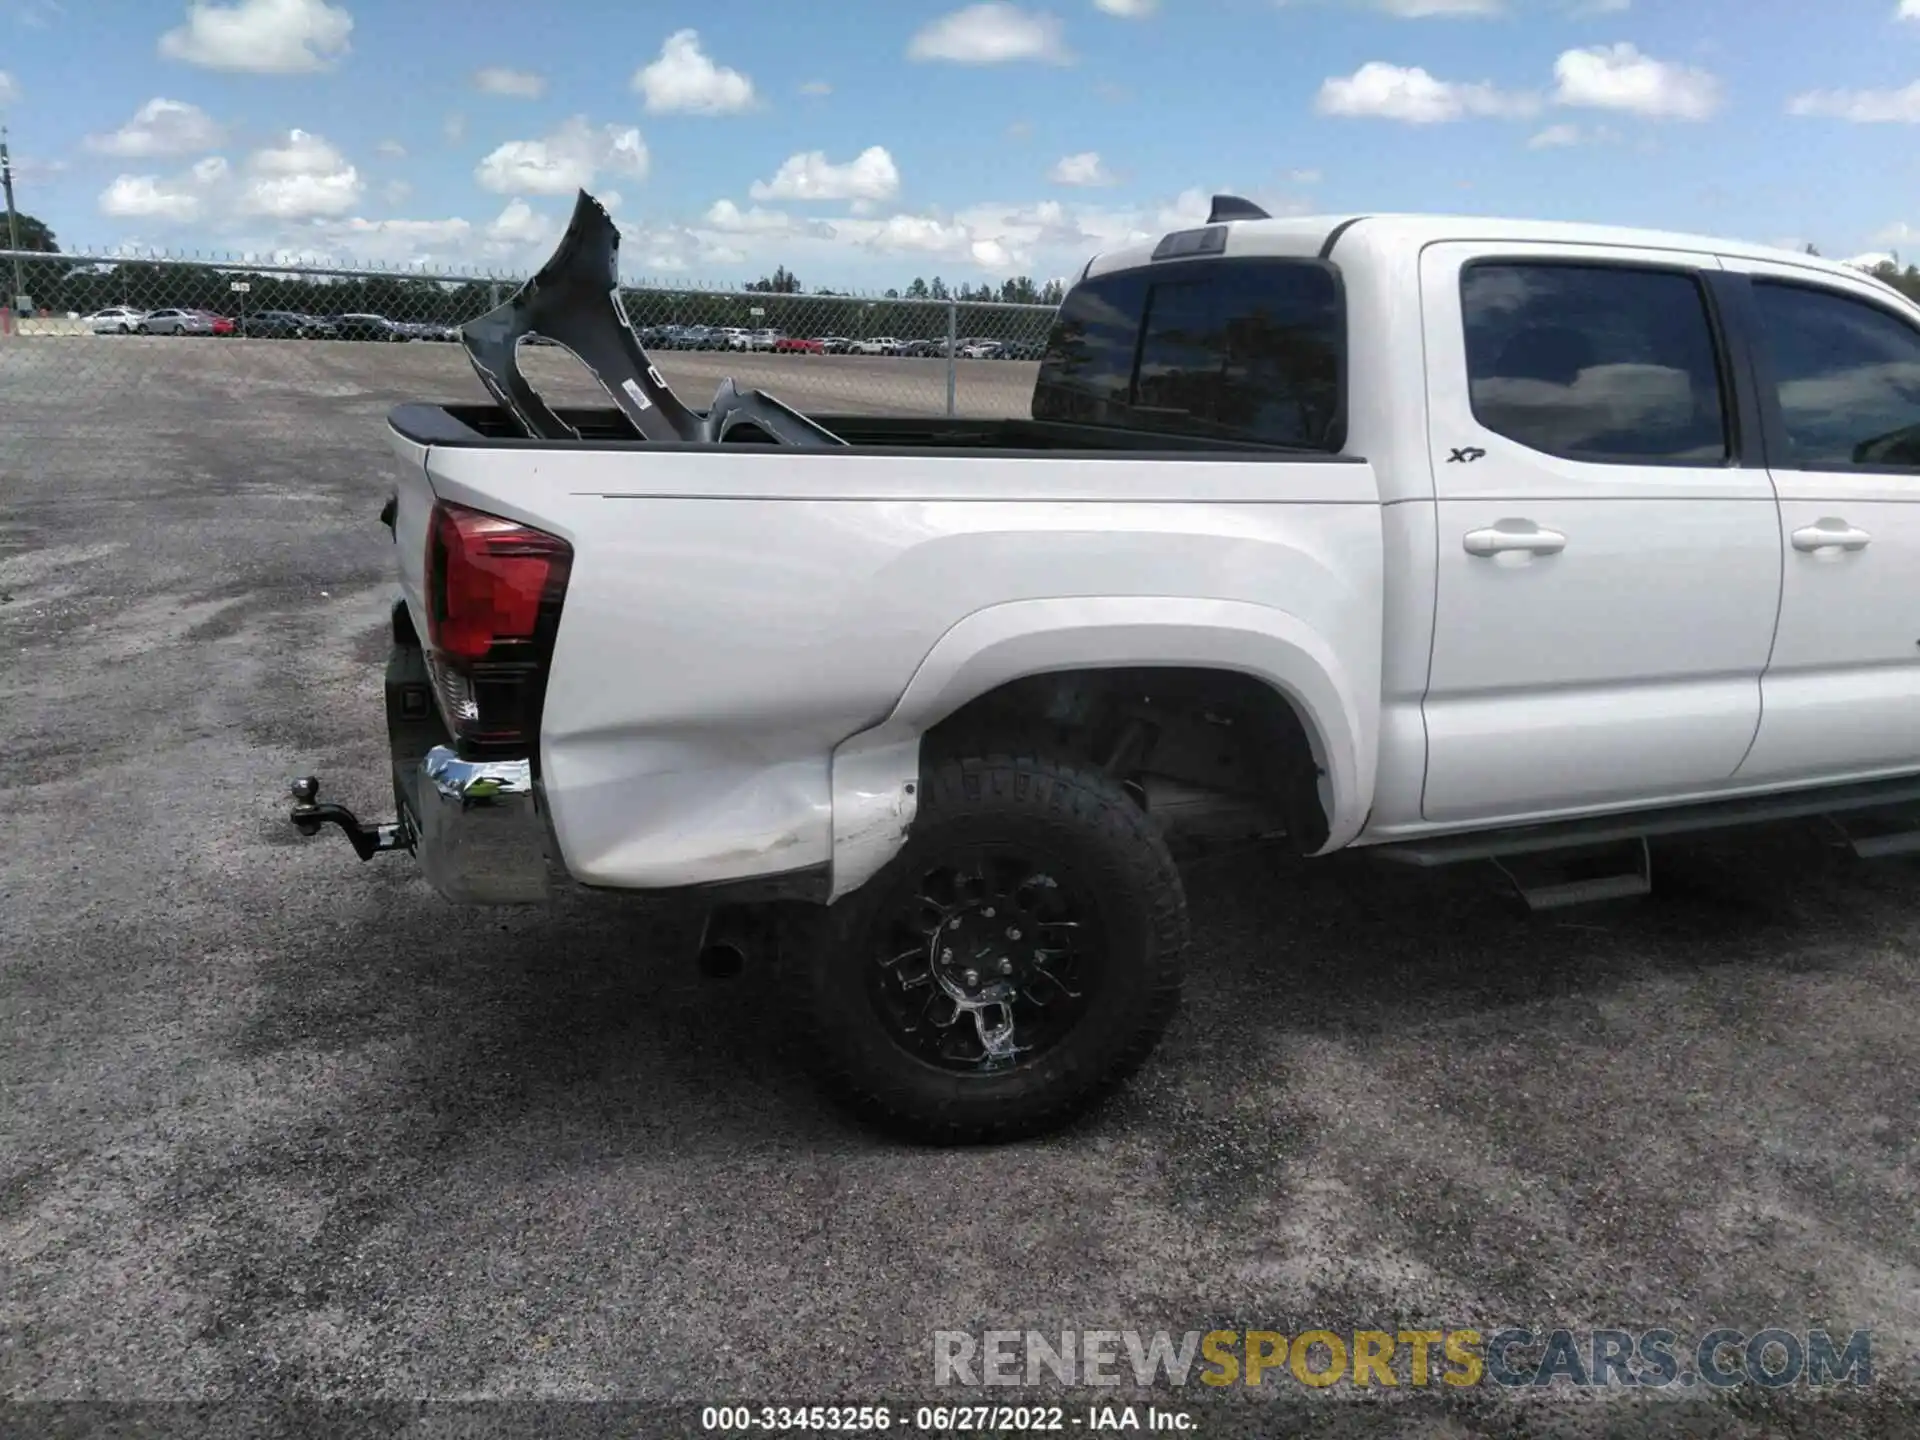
(1847, 373)
(1248, 350)
(1594, 362)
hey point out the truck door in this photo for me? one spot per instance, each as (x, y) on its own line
(1608, 575)
(1838, 361)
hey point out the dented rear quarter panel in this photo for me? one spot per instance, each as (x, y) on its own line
(737, 614)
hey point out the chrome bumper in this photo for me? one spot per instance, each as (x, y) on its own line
(478, 830)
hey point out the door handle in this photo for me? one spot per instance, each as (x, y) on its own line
(1830, 535)
(1498, 540)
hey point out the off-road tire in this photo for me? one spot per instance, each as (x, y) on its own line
(1117, 858)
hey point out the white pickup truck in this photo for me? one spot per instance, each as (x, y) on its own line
(1460, 539)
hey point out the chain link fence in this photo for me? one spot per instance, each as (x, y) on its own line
(104, 352)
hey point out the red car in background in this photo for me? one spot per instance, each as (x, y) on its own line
(221, 324)
(794, 345)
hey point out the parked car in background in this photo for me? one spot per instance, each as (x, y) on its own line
(222, 325)
(765, 339)
(1019, 350)
(980, 349)
(430, 330)
(795, 345)
(877, 345)
(286, 325)
(692, 337)
(834, 344)
(175, 322)
(114, 320)
(367, 327)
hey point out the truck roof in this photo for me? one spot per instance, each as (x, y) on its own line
(1304, 235)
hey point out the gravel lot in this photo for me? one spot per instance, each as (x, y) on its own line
(280, 1125)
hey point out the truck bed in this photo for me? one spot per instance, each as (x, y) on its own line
(606, 428)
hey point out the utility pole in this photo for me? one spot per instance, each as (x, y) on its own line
(13, 226)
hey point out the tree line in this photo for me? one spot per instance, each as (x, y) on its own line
(1906, 281)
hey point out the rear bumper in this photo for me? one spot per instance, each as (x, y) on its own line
(476, 826)
(477, 829)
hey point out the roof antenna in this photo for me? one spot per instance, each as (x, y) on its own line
(1233, 207)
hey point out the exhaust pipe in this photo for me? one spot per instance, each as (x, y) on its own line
(730, 937)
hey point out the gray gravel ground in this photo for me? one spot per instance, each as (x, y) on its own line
(279, 1126)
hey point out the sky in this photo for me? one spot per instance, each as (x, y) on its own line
(864, 142)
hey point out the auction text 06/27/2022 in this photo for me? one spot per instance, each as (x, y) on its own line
(942, 1419)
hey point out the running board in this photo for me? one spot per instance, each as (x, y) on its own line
(1554, 880)
(1902, 838)
(1882, 836)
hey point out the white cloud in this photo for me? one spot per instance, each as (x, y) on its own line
(1084, 169)
(1863, 107)
(454, 127)
(395, 192)
(726, 216)
(303, 178)
(685, 81)
(9, 89)
(610, 200)
(520, 224)
(1909, 10)
(997, 240)
(1555, 137)
(173, 199)
(1898, 236)
(159, 127)
(564, 161)
(514, 84)
(1619, 77)
(925, 234)
(1127, 9)
(1304, 177)
(147, 197)
(870, 175)
(395, 242)
(1444, 9)
(517, 238)
(816, 87)
(1408, 93)
(267, 37)
(991, 34)
(392, 149)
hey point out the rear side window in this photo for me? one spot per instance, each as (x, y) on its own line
(1595, 362)
(1249, 350)
(1848, 377)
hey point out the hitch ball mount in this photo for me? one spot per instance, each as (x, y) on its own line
(308, 815)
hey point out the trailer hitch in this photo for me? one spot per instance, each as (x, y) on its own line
(308, 815)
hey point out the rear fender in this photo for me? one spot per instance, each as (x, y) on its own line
(876, 773)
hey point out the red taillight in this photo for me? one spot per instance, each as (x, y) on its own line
(494, 588)
(488, 578)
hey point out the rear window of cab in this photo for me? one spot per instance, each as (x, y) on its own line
(1245, 349)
